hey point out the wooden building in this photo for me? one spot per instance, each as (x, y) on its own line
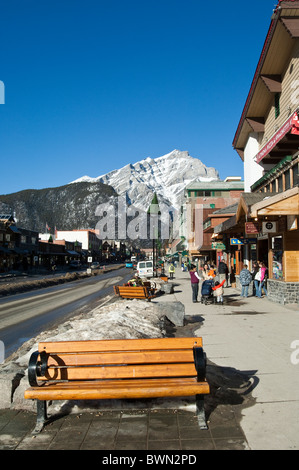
(267, 140)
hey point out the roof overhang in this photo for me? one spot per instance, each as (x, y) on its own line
(284, 27)
(286, 203)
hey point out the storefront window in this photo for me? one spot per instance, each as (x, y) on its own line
(277, 271)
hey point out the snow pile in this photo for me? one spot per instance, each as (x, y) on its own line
(123, 319)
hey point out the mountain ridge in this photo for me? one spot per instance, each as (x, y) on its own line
(167, 176)
(74, 205)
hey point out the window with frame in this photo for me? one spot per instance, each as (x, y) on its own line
(287, 180)
(296, 175)
(277, 105)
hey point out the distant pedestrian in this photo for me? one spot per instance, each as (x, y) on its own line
(264, 272)
(245, 280)
(194, 282)
(223, 272)
(205, 272)
(219, 291)
(253, 274)
(259, 281)
(171, 271)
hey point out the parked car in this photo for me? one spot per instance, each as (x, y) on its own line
(75, 264)
(95, 265)
(129, 264)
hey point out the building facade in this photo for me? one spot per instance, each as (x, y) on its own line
(202, 200)
(267, 140)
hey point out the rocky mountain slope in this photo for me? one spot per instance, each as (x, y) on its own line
(167, 176)
(74, 206)
(65, 207)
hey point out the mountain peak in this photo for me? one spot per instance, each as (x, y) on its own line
(167, 176)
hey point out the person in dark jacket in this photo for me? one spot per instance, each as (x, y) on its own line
(223, 272)
(194, 282)
(253, 274)
(245, 279)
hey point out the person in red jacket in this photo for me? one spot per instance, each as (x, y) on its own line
(218, 291)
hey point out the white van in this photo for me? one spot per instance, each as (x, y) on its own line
(145, 269)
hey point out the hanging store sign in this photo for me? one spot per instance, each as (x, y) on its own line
(269, 227)
(251, 227)
(292, 124)
(218, 246)
(236, 241)
(242, 241)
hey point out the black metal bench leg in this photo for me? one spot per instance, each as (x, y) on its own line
(41, 418)
(200, 412)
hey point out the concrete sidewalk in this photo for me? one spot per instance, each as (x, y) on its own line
(255, 336)
(251, 336)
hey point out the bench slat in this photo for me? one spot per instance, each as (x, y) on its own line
(121, 357)
(129, 371)
(112, 390)
(119, 345)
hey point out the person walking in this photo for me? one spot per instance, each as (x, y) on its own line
(259, 281)
(253, 274)
(194, 282)
(171, 271)
(263, 279)
(245, 279)
(223, 272)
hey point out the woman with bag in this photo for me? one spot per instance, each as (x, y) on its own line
(263, 279)
(259, 281)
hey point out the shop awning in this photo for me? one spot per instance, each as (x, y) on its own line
(286, 203)
(73, 253)
(19, 251)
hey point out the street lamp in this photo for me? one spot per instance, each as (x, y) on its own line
(154, 213)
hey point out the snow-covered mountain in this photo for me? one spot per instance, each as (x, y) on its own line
(167, 176)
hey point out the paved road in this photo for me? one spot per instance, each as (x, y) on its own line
(25, 315)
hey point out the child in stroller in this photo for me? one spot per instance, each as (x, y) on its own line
(206, 291)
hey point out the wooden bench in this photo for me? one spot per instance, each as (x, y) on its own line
(117, 369)
(129, 292)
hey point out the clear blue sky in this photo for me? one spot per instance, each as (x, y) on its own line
(91, 85)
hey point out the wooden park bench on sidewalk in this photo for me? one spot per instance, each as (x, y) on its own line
(130, 292)
(117, 369)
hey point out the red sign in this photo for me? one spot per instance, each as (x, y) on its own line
(291, 124)
(295, 128)
(251, 227)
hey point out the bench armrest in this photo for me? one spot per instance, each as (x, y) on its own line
(200, 363)
(37, 368)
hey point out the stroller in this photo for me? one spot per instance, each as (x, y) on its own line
(206, 291)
